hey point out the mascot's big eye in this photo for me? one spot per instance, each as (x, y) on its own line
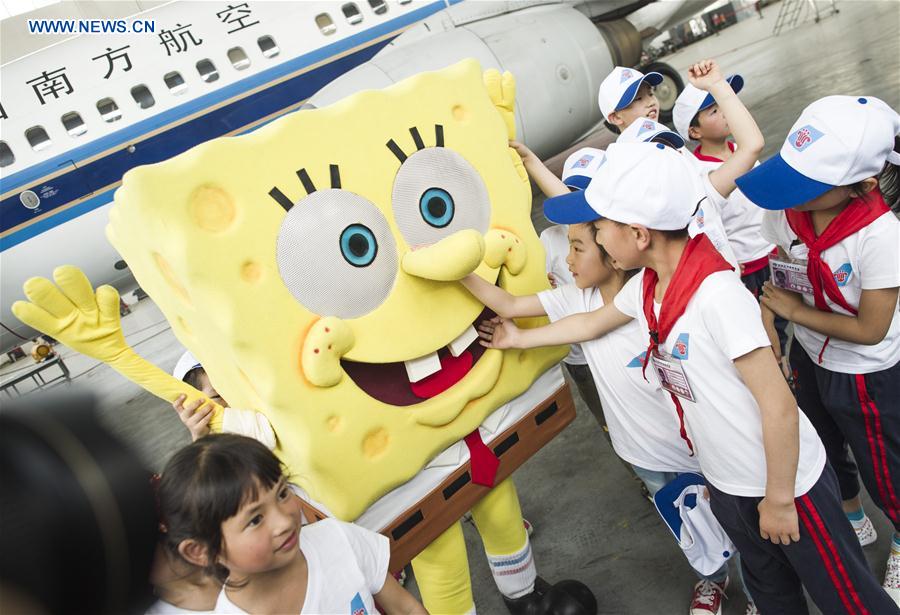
(437, 193)
(358, 245)
(336, 254)
(437, 207)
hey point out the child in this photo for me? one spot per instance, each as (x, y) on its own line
(846, 360)
(196, 415)
(764, 464)
(181, 588)
(627, 94)
(227, 508)
(642, 427)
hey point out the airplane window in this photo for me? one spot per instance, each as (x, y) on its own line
(142, 96)
(267, 46)
(326, 26)
(109, 110)
(175, 82)
(6, 155)
(37, 138)
(379, 6)
(238, 58)
(73, 124)
(207, 70)
(351, 12)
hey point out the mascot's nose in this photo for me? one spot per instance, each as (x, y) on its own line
(450, 259)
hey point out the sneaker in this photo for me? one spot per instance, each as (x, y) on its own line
(751, 609)
(708, 598)
(866, 532)
(529, 529)
(892, 577)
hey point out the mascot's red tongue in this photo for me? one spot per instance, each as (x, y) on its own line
(452, 371)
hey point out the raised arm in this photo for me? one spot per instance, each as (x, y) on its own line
(747, 136)
(781, 440)
(503, 333)
(549, 183)
(502, 302)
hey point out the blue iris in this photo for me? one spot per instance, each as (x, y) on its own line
(436, 206)
(358, 245)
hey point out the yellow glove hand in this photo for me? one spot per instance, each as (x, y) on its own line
(502, 90)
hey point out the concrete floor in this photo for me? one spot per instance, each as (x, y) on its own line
(592, 524)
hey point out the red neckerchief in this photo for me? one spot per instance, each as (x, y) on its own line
(699, 260)
(701, 156)
(857, 215)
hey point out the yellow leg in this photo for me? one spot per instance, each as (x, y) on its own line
(442, 573)
(499, 520)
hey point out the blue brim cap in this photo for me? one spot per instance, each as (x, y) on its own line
(632, 90)
(776, 185)
(579, 182)
(665, 498)
(672, 139)
(569, 208)
(737, 84)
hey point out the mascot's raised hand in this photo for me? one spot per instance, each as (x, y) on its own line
(88, 322)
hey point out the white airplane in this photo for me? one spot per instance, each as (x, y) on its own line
(79, 113)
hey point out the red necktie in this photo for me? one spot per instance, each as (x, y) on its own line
(699, 259)
(482, 460)
(858, 214)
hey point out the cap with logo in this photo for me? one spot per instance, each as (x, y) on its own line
(185, 364)
(646, 130)
(621, 86)
(581, 166)
(837, 141)
(639, 183)
(693, 100)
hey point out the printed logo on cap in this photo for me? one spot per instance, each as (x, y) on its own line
(626, 75)
(680, 350)
(583, 162)
(638, 361)
(842, 274)
(804, 137)
(647, 126)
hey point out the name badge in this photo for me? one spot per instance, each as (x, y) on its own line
(671, 375)
(790, 275)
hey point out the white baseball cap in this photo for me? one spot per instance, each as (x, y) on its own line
(693, 100)
(185, 364)
(621, 86)
(646, 130)
(640, 183)
(837, 141)
(581, 166)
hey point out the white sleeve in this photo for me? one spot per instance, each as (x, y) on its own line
(372, 553)
(775, 229)
(712, 194)
(562, 301)
(628, 300)
(732, 317)
(879, 254)
(708, 220)
(249, 423)
(548, 249)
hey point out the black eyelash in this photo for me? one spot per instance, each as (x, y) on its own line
(334, 172)
(417, 139)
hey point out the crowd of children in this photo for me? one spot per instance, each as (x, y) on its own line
(659, 267)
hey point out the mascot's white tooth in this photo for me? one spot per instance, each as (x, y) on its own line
(422, 367)
(465, 339)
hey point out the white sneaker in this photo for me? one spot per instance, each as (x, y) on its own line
(708, 597)
(892, 577)
(751, 609)
(866, 532)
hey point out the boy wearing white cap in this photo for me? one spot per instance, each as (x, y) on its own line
(196, 415)
(828, 215)
(627, 94)
(769, 484)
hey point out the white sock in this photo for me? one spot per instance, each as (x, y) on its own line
(515, 573)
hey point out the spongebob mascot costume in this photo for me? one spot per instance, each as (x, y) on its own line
(308, 263)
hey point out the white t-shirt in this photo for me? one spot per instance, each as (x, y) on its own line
(161, 607)
(643, 425)
(869, 259)
(708, 220)
(741, 218)
(720, 324)
(347, 566)
(555, 239)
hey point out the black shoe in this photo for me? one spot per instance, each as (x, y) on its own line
(566, 597)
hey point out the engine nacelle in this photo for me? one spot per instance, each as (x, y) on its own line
(556, 54)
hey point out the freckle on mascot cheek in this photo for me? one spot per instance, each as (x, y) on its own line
(313, 268)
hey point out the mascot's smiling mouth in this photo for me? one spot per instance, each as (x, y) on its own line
(389, 383)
